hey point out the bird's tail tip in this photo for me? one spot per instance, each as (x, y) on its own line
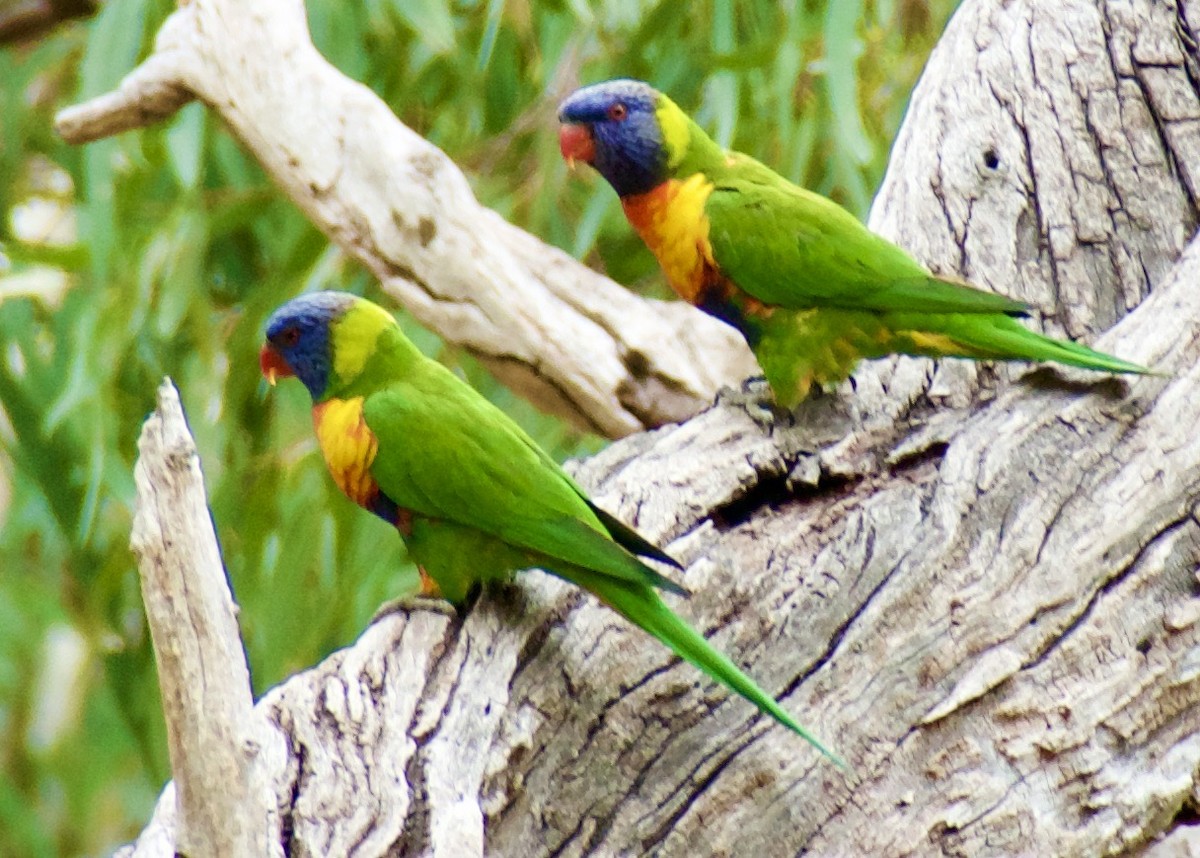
(804, 734)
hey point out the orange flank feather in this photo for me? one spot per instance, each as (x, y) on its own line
(349, 447)
(671, 220)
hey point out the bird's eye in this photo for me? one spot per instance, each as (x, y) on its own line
(289, 336)
(618, 112)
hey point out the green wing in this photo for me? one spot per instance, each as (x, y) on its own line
(789, 247)
(627, 537)
(447, 453)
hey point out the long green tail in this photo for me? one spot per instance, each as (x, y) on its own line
(642, 606)
(797, 348)
(1004, 338)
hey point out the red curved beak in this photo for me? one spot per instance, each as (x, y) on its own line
(576, 143)
(272, 365)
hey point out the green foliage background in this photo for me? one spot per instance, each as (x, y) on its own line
(181, 247)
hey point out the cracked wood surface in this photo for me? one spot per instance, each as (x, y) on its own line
(565, 337)
(978, 585)
(214, 736)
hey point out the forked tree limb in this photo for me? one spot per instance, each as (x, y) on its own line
(567, 338)
(979, 586)
(217, 742)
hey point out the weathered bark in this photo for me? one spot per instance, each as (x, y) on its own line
(563, 336)
(215, 738)
(982, 592)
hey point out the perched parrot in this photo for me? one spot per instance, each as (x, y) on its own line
(811, 289)
(473, 496)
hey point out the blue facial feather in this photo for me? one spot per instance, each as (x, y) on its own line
(307, 352)
(629, 152)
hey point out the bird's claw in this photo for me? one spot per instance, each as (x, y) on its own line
(415, 602)
(755, 397)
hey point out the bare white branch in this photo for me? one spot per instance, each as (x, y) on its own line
(214, 737)
(565, 337)
(149, 94)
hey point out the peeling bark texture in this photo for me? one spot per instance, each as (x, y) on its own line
(979, 585)
(565, 337)
(214, 736)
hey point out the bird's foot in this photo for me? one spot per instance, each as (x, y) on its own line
(427, 598)
(415, 602)
(755, 397)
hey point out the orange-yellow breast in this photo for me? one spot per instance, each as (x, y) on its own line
(672, 222)
(349, 447)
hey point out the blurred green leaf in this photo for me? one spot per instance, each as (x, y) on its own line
(185, 144)
(112, 50)
(431, 20)
(495, 9)
(842, 51)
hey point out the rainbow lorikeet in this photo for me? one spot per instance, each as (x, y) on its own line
(811, 289)
(473, 496)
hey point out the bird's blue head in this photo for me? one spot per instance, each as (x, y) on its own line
(299, 339)
(618, 128)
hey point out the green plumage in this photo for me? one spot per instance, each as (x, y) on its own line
(809, 286)
(789, 247)
(835, 292)
(478, 498)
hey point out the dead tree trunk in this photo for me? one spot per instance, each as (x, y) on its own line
(978, 585)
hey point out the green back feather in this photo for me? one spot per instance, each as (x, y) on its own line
(854, 294)
(447, 453)
(487, 500)
(789, 247)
